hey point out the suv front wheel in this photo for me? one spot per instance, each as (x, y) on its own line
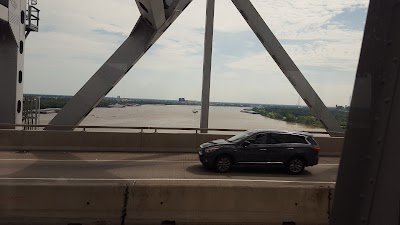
(223, 163)
(295, 166)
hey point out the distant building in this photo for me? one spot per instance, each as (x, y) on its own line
(339, 107)
(182, 99)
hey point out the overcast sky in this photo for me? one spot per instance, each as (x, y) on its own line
(323, 38)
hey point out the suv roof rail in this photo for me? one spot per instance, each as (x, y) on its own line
(282, 131)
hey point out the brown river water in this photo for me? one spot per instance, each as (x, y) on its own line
(180, 116)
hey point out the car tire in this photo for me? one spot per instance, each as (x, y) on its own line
(295, 166)
(223, 163)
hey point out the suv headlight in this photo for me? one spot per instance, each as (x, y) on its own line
(212, 149)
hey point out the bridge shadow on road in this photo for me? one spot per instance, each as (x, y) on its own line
(71, 166)
(43, 169)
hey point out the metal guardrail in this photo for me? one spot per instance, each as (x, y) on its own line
(197, 130)
(32, 18)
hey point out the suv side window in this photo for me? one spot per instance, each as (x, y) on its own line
(258, 139)
(285, 138)
(311, 140)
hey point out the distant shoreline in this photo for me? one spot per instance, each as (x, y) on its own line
(58, 101)
(299, 115)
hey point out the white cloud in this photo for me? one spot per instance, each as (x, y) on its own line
(78, 36)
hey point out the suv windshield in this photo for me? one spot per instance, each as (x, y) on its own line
(239, 137)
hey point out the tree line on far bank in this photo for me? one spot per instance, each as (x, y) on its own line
(301, 115)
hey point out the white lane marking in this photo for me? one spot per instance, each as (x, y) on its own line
(125, 160)
(162, 179)
(101, 160)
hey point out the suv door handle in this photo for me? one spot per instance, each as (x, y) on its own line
(263, 149)
(290, 148)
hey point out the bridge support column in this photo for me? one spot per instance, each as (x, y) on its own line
(368, 184)
(208, 42)
(12, 40)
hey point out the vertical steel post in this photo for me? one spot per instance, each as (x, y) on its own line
(12, 51)
(38, 112)
(208, 42)
(368, 184)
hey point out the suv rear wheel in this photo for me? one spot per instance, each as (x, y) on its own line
(223, 163)
(295, 165)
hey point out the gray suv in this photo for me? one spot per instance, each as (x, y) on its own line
(290, 150)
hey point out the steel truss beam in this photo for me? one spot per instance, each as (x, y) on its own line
(288, 67)
(152, 11)
(149, 29)
(142, 37)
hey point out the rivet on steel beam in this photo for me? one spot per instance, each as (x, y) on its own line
(371, 180)
(389, 42)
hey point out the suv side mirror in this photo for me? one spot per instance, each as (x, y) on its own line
(246, 143)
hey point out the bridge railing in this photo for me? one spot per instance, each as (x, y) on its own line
(141, 129)
(123, 139)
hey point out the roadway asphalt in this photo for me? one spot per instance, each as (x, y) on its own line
(146, 167)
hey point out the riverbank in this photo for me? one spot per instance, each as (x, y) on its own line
(300, 115)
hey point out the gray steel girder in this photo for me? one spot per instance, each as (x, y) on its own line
(142, 37)
(208, 43)
(288, 67)
(368, 184)
(152, 11)
(12, 52)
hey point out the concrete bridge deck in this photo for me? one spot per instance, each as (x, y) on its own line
(152, 188)
(151, 167)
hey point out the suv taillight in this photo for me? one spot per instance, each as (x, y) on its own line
(316, 149)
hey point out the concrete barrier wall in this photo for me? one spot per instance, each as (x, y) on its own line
(168, 142)
(330, 146)
(61, 203)
(142, 203)
(229, 205)
(134, 142)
